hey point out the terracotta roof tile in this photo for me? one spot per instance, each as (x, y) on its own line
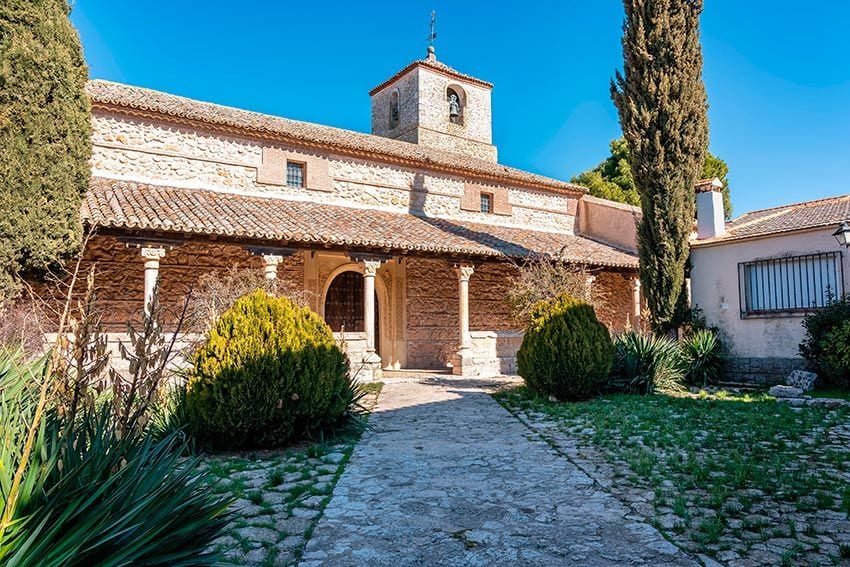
(127, 99)
(435, 65)
(130, 205)
(788, 218)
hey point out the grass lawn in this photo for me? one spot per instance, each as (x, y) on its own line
(733, 477)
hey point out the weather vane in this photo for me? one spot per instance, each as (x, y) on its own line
(432, 35)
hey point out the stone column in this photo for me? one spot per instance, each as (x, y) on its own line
(591, 279)
(464, 272)
(636, 302)
(460, 363)
(152, 256)
(270, 263)
(370, 268)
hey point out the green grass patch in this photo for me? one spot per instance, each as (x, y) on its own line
(731, 455)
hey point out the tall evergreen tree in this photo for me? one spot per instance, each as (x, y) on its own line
(45, 128)
(663, 106)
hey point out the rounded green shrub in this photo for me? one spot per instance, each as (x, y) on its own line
(825, 346)
(835, 363)
(267, 371)
(566, 352)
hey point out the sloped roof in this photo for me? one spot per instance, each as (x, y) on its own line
(788, 218)
(130, 205)
(149, 103)
(434, 65)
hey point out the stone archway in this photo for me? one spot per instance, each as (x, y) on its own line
(342, 306)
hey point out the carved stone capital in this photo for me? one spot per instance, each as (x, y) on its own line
(635, 284)
(370, 267)
(150, 253)
(464, 271)
(272, 259)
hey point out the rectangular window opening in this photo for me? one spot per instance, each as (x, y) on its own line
(295, 174)
(791, 285)
(486, 203)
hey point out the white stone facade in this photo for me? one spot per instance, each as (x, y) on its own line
(126, 147)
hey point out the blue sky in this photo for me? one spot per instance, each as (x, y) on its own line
(777, 74)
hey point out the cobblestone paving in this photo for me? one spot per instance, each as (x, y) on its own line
(279, 498)
(449, 477)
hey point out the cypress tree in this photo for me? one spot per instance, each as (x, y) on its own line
(45, 129)
(661, 100)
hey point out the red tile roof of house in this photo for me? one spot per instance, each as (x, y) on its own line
(150, 104)
(130, 205)
(788, 218)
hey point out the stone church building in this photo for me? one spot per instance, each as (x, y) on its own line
(405, 240)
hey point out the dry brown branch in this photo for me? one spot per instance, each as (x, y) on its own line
(543, 278)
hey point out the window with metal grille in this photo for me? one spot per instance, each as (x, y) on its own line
(795, 284)
(486, 203)
(294, 174)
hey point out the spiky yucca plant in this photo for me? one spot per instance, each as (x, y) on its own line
(703, 358)
(645, 363)
(91, 495)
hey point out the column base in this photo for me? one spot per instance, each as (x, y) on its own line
(370, 370)
(463, 363)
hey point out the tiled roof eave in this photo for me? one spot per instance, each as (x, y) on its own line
(119, 205)
(730, 237)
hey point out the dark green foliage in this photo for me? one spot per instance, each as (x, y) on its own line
(566, 351)
(44, 138)
(662, 105)
(268, 371)
(826, 344)
(703, 358)
(94, 496)
(612, 178)
(645, 364)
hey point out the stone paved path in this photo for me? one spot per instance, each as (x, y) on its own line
(449, 477)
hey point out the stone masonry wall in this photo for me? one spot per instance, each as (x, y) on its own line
(432, 313)
(160, 153)
(616, 309)
(432, 306)
(120, 275)
(488, 289)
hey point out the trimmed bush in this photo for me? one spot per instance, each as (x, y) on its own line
(836, 355)
(268, 371)
(566, 352)
(703, 358)
(645, 363)
(822, 346)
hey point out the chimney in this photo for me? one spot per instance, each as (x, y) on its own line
(711, 219)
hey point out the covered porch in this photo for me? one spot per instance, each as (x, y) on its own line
(400, 291)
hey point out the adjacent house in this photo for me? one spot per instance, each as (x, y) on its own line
(405, 240)
(758, 275)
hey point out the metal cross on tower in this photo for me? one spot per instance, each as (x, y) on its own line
(432, 35)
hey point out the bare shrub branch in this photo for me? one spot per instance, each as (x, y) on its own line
(543, 278)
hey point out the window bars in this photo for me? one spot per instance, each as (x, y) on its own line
(790, 285)
(295, 174)
(486, 203)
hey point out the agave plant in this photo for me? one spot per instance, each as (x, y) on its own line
(90, 494)
(703, 357)
(644, 364)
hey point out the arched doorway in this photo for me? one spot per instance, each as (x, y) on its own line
(344, 305)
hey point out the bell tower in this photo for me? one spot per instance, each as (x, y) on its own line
(431, 104)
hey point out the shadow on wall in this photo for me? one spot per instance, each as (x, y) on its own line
(417, 208)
